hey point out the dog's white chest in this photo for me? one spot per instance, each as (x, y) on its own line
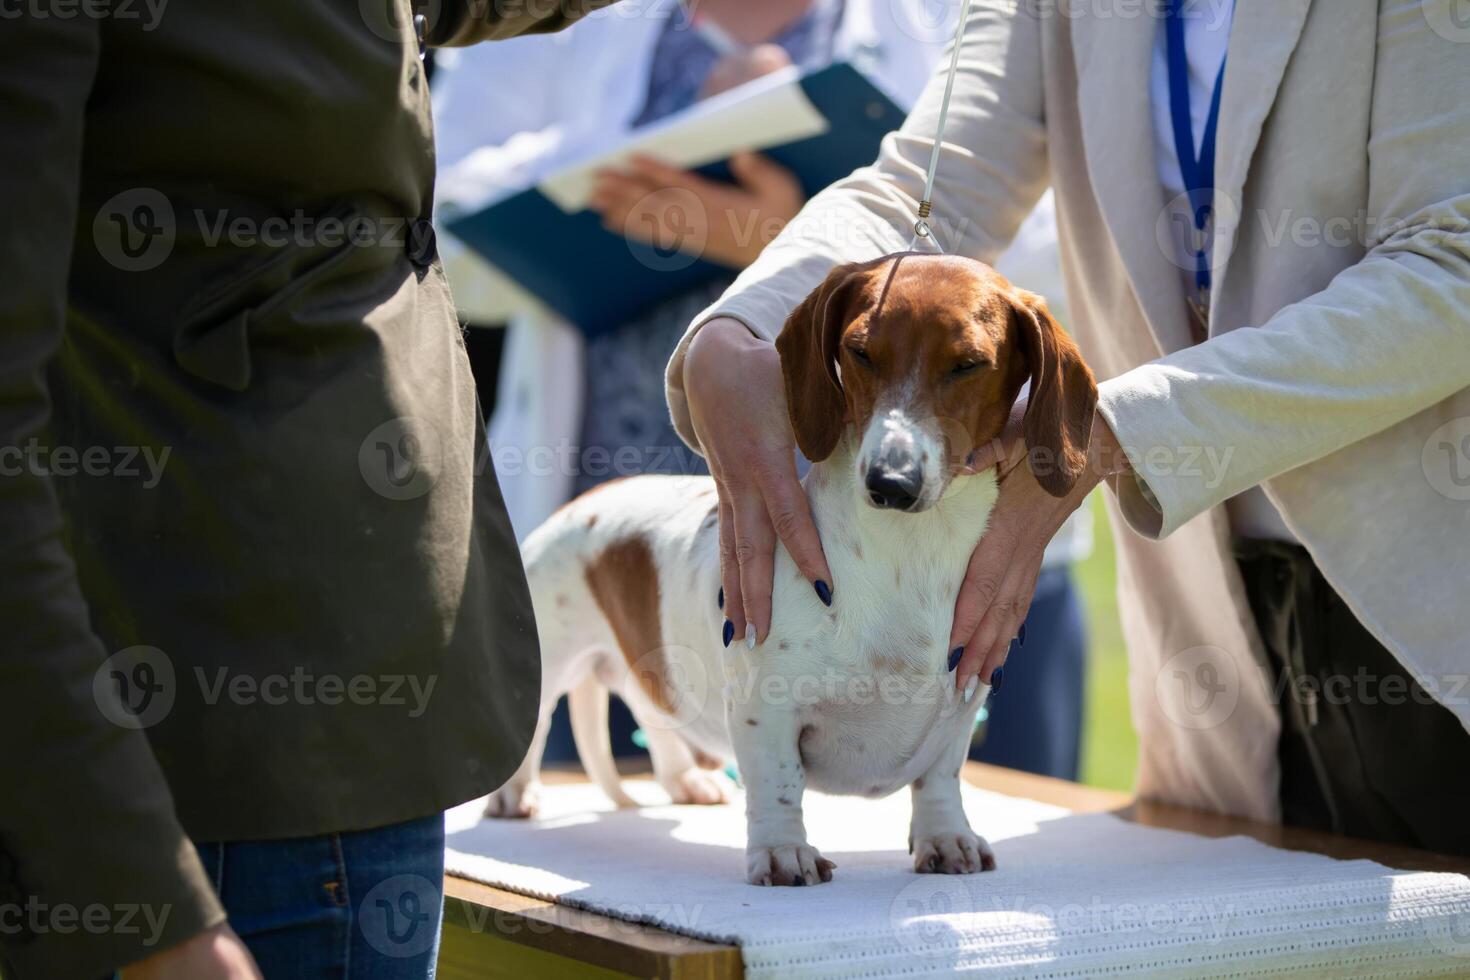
(867, 677)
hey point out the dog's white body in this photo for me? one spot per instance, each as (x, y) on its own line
(853, 699)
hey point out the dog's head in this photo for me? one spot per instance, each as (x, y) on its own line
(925, 355)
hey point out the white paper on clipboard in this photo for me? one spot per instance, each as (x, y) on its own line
(768, 111)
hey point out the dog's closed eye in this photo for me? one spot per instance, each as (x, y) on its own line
(968, 366)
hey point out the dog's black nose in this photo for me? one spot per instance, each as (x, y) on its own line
(898, 489)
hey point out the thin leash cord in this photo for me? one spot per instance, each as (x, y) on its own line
(922, 228)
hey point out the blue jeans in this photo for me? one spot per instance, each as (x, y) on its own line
(1035, 720)
(365, 904)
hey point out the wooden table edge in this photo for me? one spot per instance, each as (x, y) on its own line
(588, 937)
(649, 951)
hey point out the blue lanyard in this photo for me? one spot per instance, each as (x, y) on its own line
(1198, 171)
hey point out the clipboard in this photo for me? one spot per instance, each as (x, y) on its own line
(821, 125)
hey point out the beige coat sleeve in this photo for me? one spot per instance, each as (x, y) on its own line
(1387, 338)
(991, 173)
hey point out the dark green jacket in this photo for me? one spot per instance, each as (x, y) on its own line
(256, 578)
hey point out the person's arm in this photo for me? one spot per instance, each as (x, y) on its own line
(87, 821)
(1387, 338)
(991, 173)
(453, 23)
(723, 381)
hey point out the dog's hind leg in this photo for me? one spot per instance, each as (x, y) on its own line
(571, 631)
(520, 796)
(587, 706)
(568, 652)
(674, 764)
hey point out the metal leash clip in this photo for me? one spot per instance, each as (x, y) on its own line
(923, 230)
(421, 34)
(921, 226)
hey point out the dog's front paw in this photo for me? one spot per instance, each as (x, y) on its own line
(700, 787)
(788, 864)
(962, 853)
(514, 802)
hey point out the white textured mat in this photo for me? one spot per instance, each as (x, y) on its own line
(1074, 896)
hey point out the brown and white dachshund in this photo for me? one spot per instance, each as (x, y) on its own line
(894, 370)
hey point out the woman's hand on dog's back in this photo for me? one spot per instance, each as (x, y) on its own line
(737, 403)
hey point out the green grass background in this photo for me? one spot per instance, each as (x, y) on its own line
(1109, 745)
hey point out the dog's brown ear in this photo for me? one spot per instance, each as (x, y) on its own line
(808, 349)
(1058, 423)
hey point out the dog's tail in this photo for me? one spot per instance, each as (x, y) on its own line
(587, 705)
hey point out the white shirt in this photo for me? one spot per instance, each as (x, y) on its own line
(1206, 36)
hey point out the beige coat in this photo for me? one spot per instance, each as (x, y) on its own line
(1339, 354)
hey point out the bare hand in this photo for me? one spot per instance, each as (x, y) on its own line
(743, 65)
(676, 209)
(1001, 578)
(215, 954)
(737, 403)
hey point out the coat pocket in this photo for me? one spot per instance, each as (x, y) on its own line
(213, 337)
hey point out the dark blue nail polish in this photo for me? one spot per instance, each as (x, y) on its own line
(729, 632)
(1021, 636)
(997, 677)
(954, 658)
(721, 600)
(824, 592)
